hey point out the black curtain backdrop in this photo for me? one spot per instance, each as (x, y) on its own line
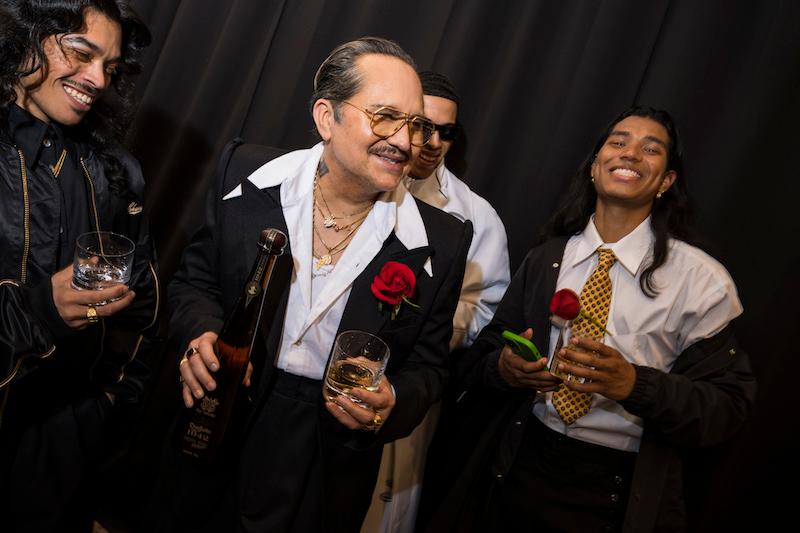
(539, 80)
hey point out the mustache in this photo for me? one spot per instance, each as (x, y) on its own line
(88, 89)
(389, 151)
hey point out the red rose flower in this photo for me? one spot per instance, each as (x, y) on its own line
(565, 304)
(394, 284)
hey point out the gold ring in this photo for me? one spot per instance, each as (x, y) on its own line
(181, 380)
(91, 314)
(375, 423)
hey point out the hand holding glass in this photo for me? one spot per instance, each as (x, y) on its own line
(102, 260)
(358, 361)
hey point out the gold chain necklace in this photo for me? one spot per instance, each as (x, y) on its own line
(329, 220)
(339, 247)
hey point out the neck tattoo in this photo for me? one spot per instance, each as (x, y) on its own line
(329, 221)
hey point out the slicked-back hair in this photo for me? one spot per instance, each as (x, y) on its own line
(338, 78)
(670, 216)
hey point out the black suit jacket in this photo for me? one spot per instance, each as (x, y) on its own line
(213, 272)
(701, 402)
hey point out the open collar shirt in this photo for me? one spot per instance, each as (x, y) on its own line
(487, 273)
(315, 305)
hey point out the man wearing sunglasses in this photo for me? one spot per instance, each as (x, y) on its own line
(486, 277)
(355, 237)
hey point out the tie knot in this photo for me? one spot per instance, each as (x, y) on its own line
(607, 258)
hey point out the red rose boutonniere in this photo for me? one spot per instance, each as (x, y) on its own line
(394, 285)
(566, 306)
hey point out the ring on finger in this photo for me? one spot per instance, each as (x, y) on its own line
(91, 314)
(190, 351)
(374, 424)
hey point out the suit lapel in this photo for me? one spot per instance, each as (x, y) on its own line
(361, 311)
(262, 209)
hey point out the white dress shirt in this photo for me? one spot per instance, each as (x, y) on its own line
(486, 278)
(310, 325)
(487, 273)
(696, 300)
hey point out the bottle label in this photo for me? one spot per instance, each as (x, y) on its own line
(252, 289)
(208, 406)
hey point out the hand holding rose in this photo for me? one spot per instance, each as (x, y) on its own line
(610, 373)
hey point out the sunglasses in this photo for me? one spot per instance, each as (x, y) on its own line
(447, 132)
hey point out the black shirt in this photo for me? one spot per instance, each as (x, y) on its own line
(50, 154)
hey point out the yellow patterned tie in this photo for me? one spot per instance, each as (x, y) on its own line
(595, 300)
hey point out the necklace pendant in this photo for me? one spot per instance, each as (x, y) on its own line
(323, 261)
(329, 222)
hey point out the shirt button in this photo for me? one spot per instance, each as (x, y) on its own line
(47, 142)
(499, 476)
(555, 265)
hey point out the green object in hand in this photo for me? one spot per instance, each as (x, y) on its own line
(522, 346)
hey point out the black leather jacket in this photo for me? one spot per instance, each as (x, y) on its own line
(38, 352)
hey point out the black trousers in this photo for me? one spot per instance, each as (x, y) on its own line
(561, 484)
(268, 483)
(279, 481)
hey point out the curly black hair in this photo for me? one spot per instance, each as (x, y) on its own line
(24, 27)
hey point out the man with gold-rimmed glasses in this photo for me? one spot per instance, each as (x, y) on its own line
(387, 121)
(349, 222)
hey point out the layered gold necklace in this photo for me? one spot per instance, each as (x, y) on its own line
(329, 221)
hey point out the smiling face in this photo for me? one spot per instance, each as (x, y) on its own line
(441, 111)
(78, 70)
(631, 166)
(368, 164)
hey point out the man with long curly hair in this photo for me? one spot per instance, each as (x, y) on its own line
(70, 367)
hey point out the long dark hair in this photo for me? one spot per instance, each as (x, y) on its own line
(670, 215)
(26, 24)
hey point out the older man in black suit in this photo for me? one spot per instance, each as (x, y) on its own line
(307, 464)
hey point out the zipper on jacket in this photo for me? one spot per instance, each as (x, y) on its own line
(26, 219)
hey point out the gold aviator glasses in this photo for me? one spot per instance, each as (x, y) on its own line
(386, 121)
